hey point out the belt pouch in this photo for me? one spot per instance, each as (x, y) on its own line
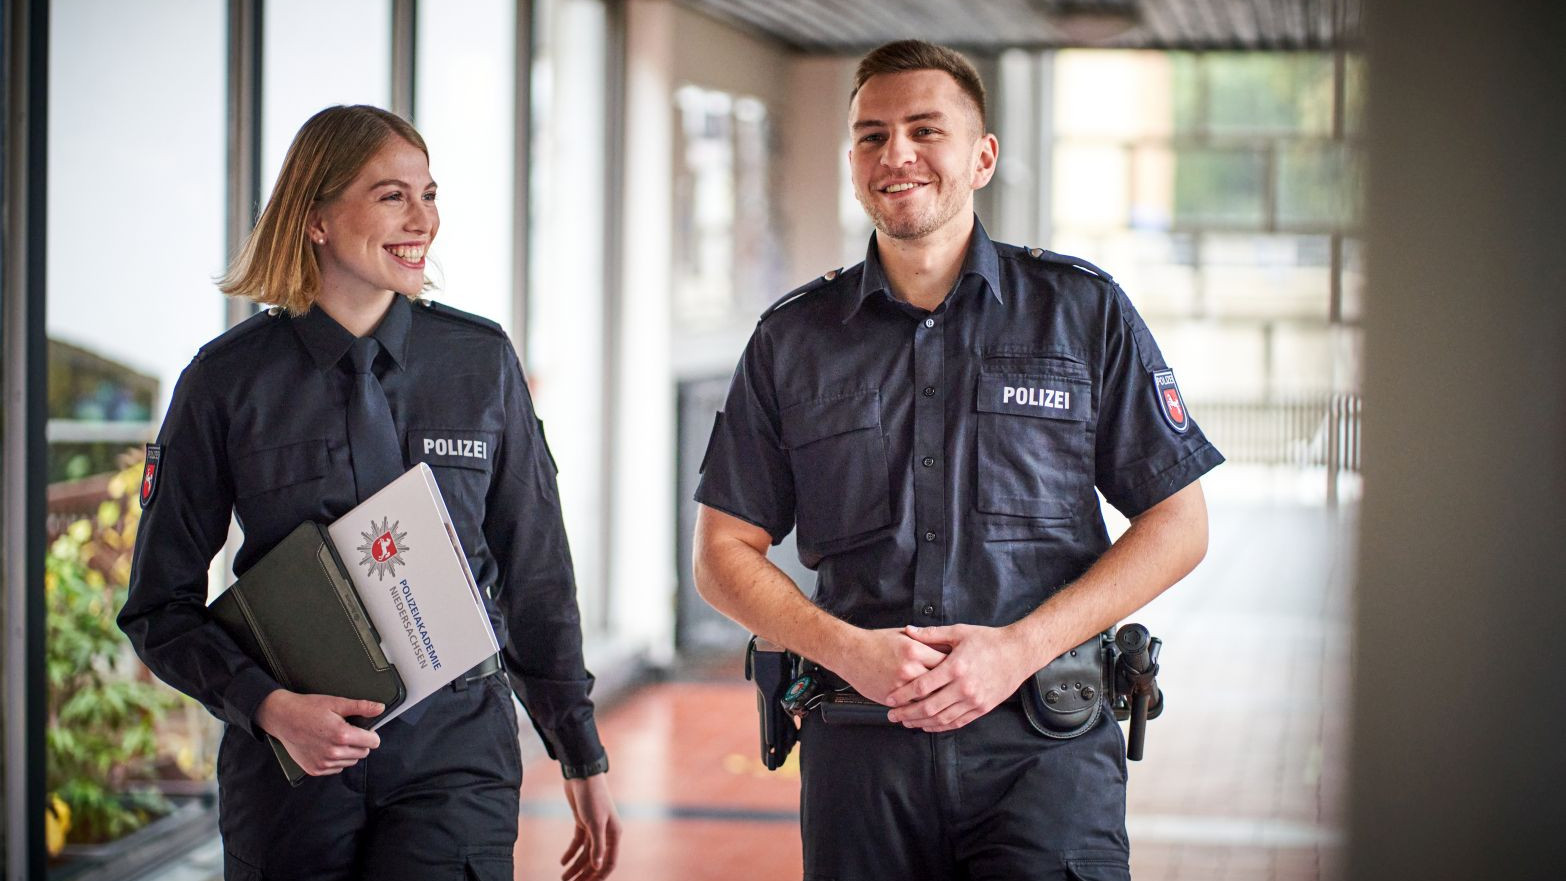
(851, 708)
(1065, 698)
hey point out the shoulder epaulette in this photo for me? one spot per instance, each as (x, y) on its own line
(800, 292)
(1068, 260)
(453, 314)
(230, 336)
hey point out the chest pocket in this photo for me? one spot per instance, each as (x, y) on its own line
(275, 468)
(839, 463)
(462, 460)
(1035, 451)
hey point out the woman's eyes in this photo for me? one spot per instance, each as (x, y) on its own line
(397, 196)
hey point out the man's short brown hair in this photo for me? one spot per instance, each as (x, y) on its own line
(910, 55)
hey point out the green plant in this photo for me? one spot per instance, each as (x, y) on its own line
(102, 718)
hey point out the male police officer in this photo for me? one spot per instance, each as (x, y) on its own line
(935, 421)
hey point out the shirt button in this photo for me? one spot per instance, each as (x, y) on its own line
(929, 611)
(929, 391)
(929, 536)
(929, 461)
(929, 322)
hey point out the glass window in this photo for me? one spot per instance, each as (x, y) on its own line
(1219, 187)
(1352, 279)
(704, 207)
(137, 166)
(1318, 186)
(1152, 187)
(1269, 92)
(566, 238)
(1115, 94)
(1269, 276)
(465, 107)
(1353, 94)
(1092, 186)
(315, 55)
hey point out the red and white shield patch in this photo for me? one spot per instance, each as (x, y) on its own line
(150, 472)
(1170, 402)
(383, 548)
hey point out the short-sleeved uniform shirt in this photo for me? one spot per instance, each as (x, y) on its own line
(940, 466)
(258, 427)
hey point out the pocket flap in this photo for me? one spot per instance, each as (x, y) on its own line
(277, 467)
(1044, 397)
(813, 420)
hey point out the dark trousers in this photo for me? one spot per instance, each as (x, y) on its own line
(992, 800)
(436, 800)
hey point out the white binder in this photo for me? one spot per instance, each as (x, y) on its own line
(410, 572)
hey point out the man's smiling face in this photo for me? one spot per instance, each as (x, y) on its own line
(918, 152)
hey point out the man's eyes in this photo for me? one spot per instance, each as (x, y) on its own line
(921, 132)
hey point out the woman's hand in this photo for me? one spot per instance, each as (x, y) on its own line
(596, 843)
(315, 731)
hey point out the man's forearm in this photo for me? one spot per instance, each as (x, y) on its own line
(1161, 547)
(737, 579)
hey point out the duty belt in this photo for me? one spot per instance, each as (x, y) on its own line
(483, 669)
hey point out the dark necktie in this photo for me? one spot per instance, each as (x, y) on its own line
(372, 435)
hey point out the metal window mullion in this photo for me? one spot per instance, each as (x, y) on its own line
(404, 57)
(246, 19)
(617, 40)
(26, 31)
(522, 153)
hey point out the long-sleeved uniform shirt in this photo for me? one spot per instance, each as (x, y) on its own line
(941, 465)
(258, 428)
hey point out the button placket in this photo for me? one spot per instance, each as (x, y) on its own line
(929, 433)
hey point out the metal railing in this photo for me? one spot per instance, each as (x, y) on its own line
(1308, 431)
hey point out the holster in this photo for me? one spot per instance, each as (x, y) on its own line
(771, 667)
(1065, 698)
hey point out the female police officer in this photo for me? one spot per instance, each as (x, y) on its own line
(298, 414)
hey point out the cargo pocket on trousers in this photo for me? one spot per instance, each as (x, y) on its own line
(1098, 865)
(1035, 456)
(489, 864)
(839, 461)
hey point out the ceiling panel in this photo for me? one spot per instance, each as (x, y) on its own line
(987, 26)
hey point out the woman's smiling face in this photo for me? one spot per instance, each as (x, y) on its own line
(374, 236)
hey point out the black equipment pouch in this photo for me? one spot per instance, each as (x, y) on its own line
(1065, 698)
(851, 708)
(771, 667)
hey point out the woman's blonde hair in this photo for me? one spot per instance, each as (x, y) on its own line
(276, 265)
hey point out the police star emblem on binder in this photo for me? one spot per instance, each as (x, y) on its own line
(382, 548)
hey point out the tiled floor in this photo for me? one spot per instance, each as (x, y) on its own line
(1242, 778)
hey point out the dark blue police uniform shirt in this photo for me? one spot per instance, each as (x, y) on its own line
(940, 466)
(258, 426)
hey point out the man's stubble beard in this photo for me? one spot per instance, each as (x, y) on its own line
(947, 206)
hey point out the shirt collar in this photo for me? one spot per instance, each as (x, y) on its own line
(327, 341)
(979, 260)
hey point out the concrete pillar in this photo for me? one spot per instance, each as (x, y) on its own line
(1458, 762)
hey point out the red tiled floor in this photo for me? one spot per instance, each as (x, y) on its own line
(689, 782)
